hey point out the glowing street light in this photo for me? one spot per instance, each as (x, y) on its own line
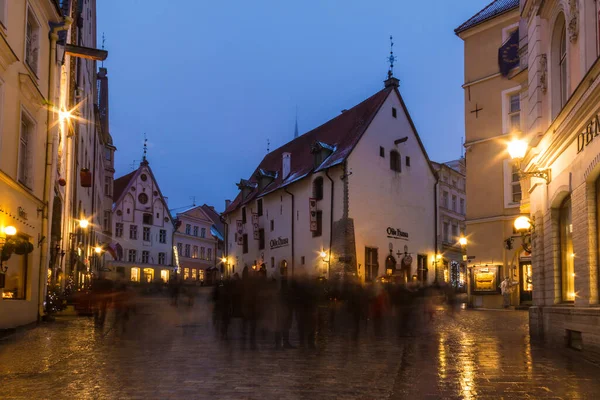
(98, 249)
(522, 224)
(462, 241)
(323, 254)
(517, 149)
(10, 230)
(84, 223)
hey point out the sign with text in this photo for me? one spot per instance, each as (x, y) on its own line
(394, 233)
(592, 129)
(279, 242)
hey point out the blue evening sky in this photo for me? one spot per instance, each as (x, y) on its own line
(210, 81)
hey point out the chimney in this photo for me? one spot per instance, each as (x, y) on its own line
(227, 203)
(286, 166)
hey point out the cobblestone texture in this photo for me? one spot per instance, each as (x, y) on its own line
(172, 352)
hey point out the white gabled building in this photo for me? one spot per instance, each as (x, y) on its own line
(142, 229)
(353, 196)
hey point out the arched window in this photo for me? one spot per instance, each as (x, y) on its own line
(395, 161)
(559, 66)
(563, 68)
(566, 251)
(318, 188)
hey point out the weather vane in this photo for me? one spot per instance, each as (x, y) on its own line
(103, 41)
(391, 58)
(145, 146)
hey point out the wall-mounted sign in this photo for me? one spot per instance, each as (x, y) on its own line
(394, 233)
(592, 129)
(312, 208)
(176, 254)
(239, 232)
(255, 226)
(279, 242)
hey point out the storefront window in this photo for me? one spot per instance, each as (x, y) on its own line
(485, 279)
(148, 275)
(135, 274)
(15, 279)
(164, 275)
(194, 274)
(186, 273)
(201, 275)
(566, 252)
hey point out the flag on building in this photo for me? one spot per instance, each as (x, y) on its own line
(508, 54)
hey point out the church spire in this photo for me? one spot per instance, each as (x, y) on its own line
(144, 160)
(391, 81)
(296, 128)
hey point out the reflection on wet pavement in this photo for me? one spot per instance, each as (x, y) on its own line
(169, 352)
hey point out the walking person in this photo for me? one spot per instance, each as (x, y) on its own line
(506, 287)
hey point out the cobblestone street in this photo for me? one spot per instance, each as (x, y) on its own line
(170, 352)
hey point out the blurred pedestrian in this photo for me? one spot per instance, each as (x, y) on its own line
(506, 287)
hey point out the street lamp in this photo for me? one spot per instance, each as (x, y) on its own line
(323, 255)
(10, 230)
(84, 223)
(517, 148)
(462, 241)
(522, 224)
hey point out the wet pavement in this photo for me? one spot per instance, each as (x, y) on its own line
(169, 352)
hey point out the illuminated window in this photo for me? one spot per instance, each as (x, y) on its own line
(15, 279)
(195, 252)
(164, 275)
(135, 274)
(148, 275)
(566, 251)
(194, 274)
(186, 273)
(201, 275)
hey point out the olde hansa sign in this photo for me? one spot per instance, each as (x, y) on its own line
(395, 233)
(279, 242)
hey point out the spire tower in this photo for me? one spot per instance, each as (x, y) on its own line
(391, 81)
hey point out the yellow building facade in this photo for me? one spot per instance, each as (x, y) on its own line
(28, 82)
(492, 111)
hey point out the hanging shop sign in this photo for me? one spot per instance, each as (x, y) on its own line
(592, 129)
(279, 242)
(255, 226)
(239, 232)
(394, 233)
(312, 206)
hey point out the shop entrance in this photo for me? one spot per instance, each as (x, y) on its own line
(390, 265)
(283, 269)
(526, 282)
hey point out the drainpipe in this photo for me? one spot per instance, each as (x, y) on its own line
(293, 210)
(435, 222)
(330, 224)
(50, 151)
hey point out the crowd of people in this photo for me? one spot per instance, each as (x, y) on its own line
(271, 306)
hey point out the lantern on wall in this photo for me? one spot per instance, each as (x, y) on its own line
(85, 176)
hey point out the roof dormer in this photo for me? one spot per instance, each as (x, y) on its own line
(246, 187)
(320, 152)
(264, 178)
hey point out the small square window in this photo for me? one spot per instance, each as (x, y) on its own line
(407, 161)
(381, 152)
(394, 112)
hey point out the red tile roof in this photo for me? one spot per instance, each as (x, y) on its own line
(120, 185)
(342, 132)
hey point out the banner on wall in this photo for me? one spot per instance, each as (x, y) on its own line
(255, 226)
(239, 232)
(312, 207)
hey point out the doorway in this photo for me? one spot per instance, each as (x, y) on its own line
(283, 269)
(526, 282)
(371, 264)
